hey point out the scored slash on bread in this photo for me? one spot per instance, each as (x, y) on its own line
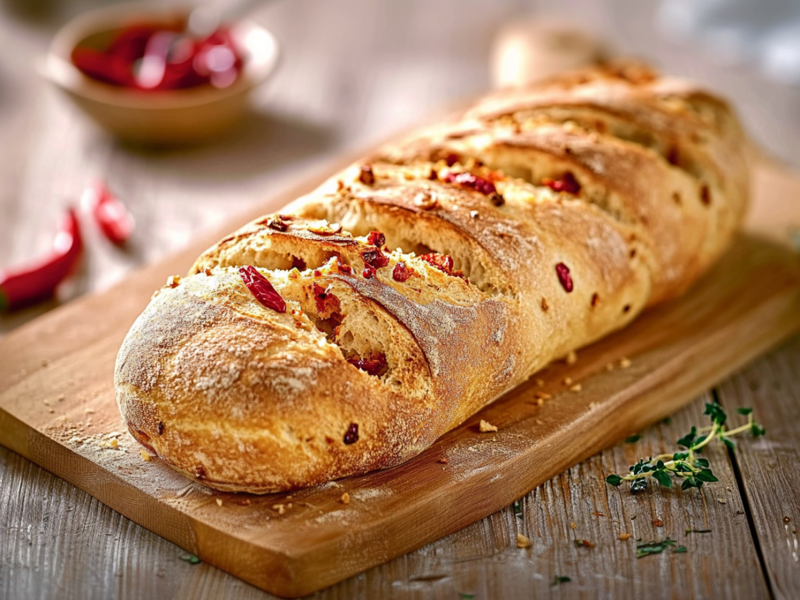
(426, 281)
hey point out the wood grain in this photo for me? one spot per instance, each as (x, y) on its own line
(768, 470)
(481, 559)
(354, 71)
(57, 408)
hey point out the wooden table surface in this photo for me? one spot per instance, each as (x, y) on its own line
(353, 71)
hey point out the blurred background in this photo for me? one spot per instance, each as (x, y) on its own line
(351, 73)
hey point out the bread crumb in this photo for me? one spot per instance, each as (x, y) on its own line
(45, 362)
(145, 456)
(173, 281)
(573, 525)
(572, 357)
(540, 382)
(722, 500)
(576, 388)
(523, 541)
(542, 396)
(610, 367)
(51, 411)
(625, 536)
(444, 461)
(113, 443)
(624, 363)
(345, 498)
(486, 427)
(567, 380)
(219, 501)
(425, 201)
(280, 508)
(61, 397)
(89, 411)
(207, 272)
(658, 522)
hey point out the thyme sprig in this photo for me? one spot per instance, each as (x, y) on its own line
(686, 465)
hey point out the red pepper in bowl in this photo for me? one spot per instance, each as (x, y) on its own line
(162, 57)
(37, 281)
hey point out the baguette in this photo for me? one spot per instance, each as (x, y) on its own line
(430, 278)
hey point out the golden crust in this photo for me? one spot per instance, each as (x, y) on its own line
(652, 183)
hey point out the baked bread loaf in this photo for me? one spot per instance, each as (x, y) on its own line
(351, 330)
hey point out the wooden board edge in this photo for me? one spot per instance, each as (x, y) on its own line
(783, 312)
(84, 474)
(774, 319)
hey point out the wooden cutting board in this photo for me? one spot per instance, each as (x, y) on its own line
(57, 409)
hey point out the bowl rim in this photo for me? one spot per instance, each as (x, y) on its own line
(61, 71)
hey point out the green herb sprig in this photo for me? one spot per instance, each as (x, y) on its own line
(647, 548)
(686, 465)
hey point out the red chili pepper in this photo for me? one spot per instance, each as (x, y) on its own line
(567, 183)
(262, 289)
(110, 213)
(31, 283)
(443, 262)
(402, 272)
(564, 277)
(376, 238)
(373, 257)
(153, 65)
(218, 59)
(131, 42)
(473, 182)
(372, 365)
(161, 57)
(108, 68)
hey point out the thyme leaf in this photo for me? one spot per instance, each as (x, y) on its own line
(657, 547)
(686, 465)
